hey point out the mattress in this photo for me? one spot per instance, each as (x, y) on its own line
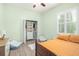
(61, 47)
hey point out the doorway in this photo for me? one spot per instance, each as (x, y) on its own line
(31, 30)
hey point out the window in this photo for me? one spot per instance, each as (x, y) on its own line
(67, 22)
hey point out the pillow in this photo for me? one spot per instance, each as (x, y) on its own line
(74, 38)
(64, 37)
(42, 38)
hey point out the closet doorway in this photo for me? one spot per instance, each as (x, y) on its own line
(31, 30)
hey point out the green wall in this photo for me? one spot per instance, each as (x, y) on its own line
(1, 17)
(49, 19)
(14, 18)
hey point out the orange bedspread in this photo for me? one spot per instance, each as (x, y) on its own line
(61, 47)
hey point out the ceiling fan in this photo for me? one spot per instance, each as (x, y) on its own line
(42, 4)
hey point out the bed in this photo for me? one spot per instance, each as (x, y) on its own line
(57, 47)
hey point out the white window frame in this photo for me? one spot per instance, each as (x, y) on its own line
(65, 25)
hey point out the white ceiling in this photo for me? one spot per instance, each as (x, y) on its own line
(39, 8)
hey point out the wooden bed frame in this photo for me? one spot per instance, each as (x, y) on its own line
(42, 51)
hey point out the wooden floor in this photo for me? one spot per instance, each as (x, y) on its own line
(23, 50)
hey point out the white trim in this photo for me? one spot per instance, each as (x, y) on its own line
(24, 22)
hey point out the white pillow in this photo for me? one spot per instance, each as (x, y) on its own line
(42, 38)
(15, 43)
